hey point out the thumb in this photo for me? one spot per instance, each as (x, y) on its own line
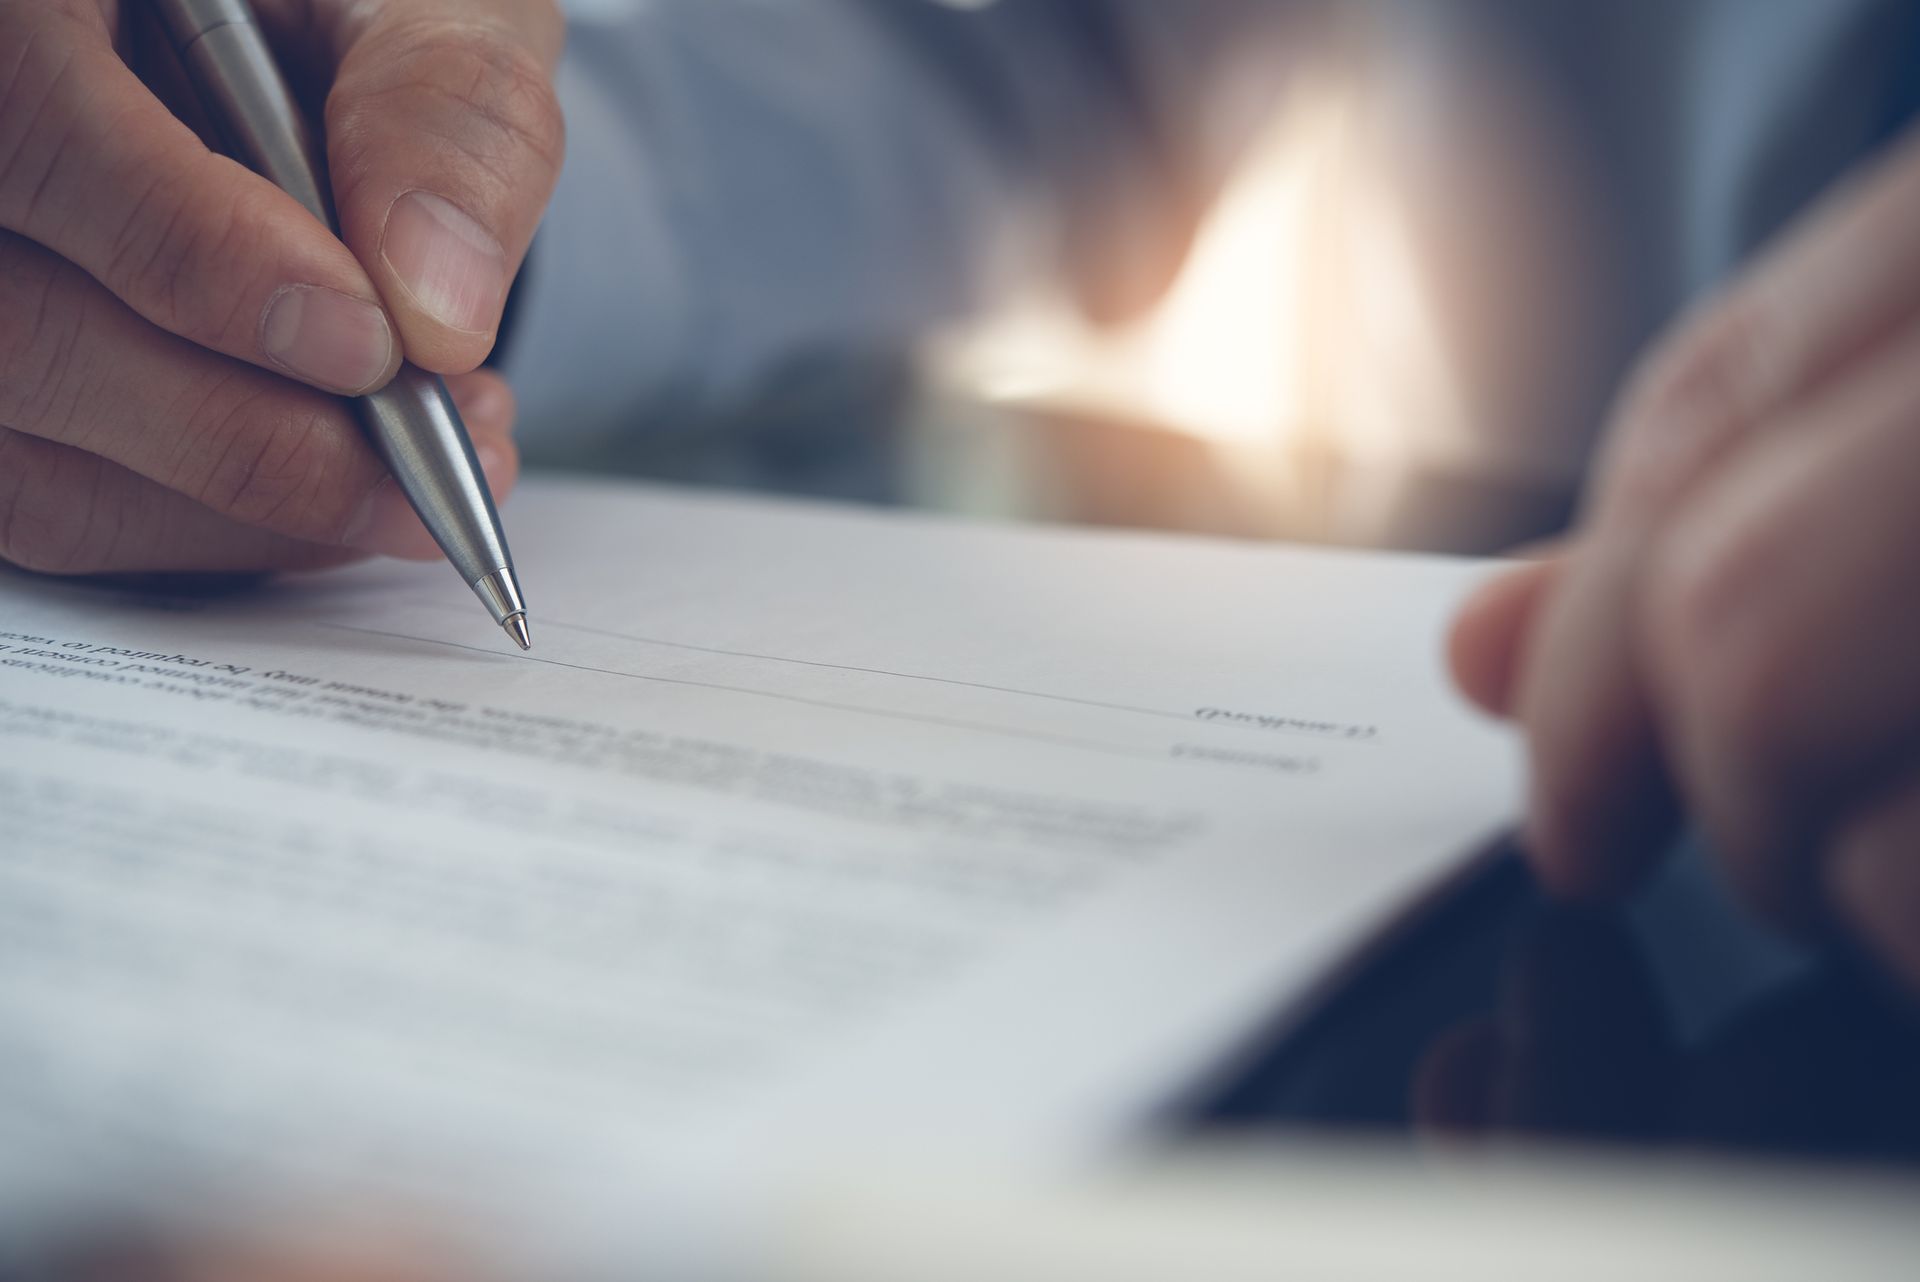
(1487, 642)
(444, 141)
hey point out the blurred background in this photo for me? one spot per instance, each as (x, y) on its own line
(1390, 330)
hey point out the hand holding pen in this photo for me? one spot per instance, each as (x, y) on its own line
(158, 300)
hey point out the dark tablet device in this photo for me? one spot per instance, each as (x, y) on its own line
(1669, 1021)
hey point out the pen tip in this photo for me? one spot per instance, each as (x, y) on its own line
(516, 626)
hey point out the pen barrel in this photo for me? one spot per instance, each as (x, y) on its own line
(413, 421)
(191, 18)
(233, 68)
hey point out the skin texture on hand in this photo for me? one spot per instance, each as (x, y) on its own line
(1734, 628)
(175, 332)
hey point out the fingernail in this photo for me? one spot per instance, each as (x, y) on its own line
(387, 525)
(327, 338)
(453, 267)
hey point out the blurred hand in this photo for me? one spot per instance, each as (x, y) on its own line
(158, 302)
(320, 1253)
(1736, 628)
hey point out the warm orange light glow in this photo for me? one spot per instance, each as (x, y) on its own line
(1299, 318)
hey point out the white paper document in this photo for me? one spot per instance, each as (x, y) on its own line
(802, 831)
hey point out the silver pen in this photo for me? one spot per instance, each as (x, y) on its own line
(412, 421)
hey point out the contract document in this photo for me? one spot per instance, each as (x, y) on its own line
(802, 832)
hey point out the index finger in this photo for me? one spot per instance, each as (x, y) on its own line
(94, 168)
(1832, 294)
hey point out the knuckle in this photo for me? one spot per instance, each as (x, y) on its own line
(42, 321)
(1721, 366)
(483, 93)
(48, 518)
(35, 71)
(506, 86)
(279, 463)
(1693, 399)
(1717, 648)
(171, 243)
